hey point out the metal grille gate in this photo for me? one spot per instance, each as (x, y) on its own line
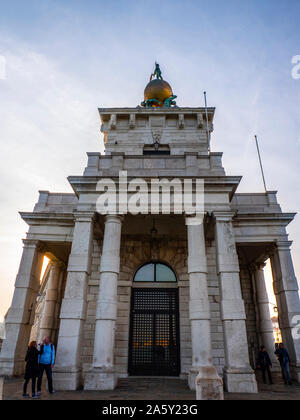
(154, 332)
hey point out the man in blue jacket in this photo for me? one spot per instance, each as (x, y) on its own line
(46, 363)
(284, 360)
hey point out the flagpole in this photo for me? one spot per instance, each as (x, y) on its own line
(207, 127)
(260, 162)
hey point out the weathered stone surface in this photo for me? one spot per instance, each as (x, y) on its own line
(209, 385)
(100, 379)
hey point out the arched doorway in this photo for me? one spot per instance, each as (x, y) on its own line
(154, 348)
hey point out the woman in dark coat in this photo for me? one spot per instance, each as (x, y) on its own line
(32, 368)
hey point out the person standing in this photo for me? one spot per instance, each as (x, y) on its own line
(284, 360)
(32, 369)
(46, 361)
(264, 362)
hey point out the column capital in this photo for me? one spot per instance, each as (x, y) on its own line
(84, 216)
(30, 242)
(284, 245)
(52, 263)
(33, 243)
(257, 266)
(224, 216)
(194, 220)
(270, 250)
(116, 218)
(55, 262)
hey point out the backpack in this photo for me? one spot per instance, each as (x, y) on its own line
(42, 348)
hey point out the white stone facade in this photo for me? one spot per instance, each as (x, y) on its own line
(86, 297)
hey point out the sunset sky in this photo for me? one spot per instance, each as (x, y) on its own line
(60, 60)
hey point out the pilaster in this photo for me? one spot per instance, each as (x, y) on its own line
(238, 375)
(21, 313)
(73, 309)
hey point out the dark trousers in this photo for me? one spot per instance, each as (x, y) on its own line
(48, 370)
(33, 382)
(285, 370)
(263, 371)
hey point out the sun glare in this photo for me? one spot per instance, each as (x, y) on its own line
(272, 301)
(44, 266)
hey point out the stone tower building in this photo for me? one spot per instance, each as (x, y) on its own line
(150, 294)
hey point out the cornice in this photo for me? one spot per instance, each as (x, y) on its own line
(47, 218)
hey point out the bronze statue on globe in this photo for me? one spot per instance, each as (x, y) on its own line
(157, 72)
(170, 101)
(158, 92)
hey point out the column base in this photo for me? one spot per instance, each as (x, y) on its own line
(240, 382)
(193, 373)
(66, 379)
(11, 367)
(207, 382)
(100, 379)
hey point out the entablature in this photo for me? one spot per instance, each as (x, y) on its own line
(187, 164)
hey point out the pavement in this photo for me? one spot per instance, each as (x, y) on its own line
(152, 389)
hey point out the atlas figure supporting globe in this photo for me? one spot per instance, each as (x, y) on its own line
(158, 92)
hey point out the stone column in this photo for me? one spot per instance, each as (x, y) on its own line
(102, 375)
(21, 313)
(265, 321)
(48, 316)
(287, 297)
(203, 375)
(73, 310)
(238, 374)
